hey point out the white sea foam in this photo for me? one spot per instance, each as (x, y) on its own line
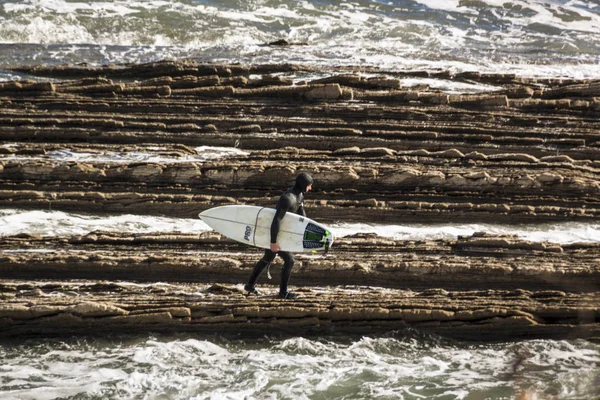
(542, 12)
(7, 76)
(207, 368)
(203, 154)
(57, 223)
(563, 232)
(16, 251)
(449, 86)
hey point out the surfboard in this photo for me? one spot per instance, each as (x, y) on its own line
(252, 225)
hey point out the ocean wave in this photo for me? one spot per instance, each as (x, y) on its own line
(491, 35)
(399, 366)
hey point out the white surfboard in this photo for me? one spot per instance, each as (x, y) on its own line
(252, 225)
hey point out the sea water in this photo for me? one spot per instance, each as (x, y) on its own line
(546, 38)
(401, 365)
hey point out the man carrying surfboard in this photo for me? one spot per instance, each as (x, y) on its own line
(291, 201)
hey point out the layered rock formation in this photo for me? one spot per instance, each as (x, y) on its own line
(100, 308)
(526, 151)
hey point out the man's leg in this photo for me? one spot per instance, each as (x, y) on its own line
(258, 269)
(286, 272)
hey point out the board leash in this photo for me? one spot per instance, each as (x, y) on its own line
(269, 271)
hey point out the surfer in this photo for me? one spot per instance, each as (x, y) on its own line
(291, 201)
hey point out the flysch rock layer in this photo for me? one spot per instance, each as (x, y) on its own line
(70, 308)
(482, 287)
(379, 151)
(527, 151)
(480, 261)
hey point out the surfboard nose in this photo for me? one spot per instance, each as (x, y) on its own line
(207, 216)
(209, 213)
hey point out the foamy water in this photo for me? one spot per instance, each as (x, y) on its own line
(562, 232)
(203, 154)
(528, 37)
(401, 366)
(58, 223)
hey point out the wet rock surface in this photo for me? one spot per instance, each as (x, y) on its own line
(477, 262)
(59, 308)
(380, 152)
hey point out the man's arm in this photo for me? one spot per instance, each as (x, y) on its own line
(282, 206)
(301, 210)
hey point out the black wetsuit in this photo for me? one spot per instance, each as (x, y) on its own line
(291, 201)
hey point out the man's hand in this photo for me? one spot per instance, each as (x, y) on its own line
(275, 247)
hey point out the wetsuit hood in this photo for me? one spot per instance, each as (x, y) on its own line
(303, 180)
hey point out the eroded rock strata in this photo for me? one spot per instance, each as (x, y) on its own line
(478, 262)
(525, 151)
(56, 308)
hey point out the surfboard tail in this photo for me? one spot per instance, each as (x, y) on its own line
(317, 237)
